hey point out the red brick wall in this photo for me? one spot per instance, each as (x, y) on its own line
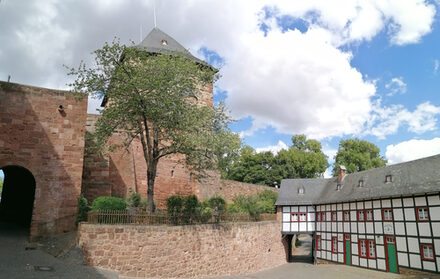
(183, 251)
(50, 144)
(229, 189)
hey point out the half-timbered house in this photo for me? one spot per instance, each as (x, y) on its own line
(383, 219)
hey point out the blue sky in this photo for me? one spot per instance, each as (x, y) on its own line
(328, 69)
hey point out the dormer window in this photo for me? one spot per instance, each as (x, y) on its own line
(388, 178)
(301, 190)
(338, 187)
(361, 183)
(164, 42)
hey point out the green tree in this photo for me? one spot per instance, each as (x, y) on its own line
(303, 159)
(357, 155)
(154, 98)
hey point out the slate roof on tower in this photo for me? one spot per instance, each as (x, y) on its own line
(158, 41)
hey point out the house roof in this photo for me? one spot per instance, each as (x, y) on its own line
(409, 178)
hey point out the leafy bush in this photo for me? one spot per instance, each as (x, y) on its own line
(174, 205)
(266, 200)
(254, 205)
(134, 200)
(217, 204)
(191, 205)
(109, 203)
(83, 209)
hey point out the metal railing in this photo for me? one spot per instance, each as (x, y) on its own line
(145, 218)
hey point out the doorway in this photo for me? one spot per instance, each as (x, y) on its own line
(17, 196)
(391, 255)
(302, 248)
(347, 249)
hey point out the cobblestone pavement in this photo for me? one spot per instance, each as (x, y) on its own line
(323, 271)
(20, 259)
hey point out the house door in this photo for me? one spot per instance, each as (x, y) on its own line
(347, 249)
(390, 250)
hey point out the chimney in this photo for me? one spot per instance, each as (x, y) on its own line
(341, 173)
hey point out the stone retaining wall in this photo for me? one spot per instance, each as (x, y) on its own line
(229, 189)
(183, 251)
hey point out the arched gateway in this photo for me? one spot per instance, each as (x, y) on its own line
(17, 197)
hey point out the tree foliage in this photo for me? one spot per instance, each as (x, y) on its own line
(303, 159)
(357, 155)
(155, 99)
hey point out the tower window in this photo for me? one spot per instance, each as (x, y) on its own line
(301, 190)
(164, 42)
(388, 178)
(361, 183)
(190, 177)
(338, 187)
(172, 173)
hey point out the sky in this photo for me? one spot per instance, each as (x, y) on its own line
(331, 70)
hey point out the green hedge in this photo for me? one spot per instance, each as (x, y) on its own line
(109, 203)
(83, 209)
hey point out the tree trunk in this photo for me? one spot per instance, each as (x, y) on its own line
(151, 174)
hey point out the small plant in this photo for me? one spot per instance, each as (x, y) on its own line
(174, 205)
(109, 203)
(174, 208)
(191, 208)
(217, 206)
(134, 200)
(83, 209)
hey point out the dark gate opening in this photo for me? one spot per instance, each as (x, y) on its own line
(17, 196)
(302, 248)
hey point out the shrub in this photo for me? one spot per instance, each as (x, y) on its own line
(174, 205)
(134, 200)
(83, 209)
(266, 201)
(191, 205)
(217, 204)
(109, 203)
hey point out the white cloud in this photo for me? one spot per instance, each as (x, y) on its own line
(273, 148)
(296, 82)
(387, 120)
(411, 150)
(396, 86)
(436, 66)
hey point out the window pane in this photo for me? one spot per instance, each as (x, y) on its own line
(371, 250)
(363, 249)
(369, 215)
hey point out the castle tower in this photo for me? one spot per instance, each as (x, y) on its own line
(125, 170)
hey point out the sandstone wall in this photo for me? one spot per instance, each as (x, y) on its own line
(183, 251)
(95, 177)
(229, 189)
(50, 144)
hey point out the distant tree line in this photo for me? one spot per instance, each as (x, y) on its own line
(303, 159)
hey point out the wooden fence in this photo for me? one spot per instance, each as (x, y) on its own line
(144, 218)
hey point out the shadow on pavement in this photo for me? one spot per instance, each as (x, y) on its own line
(21, 259)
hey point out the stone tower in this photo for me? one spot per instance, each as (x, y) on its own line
(125, 170)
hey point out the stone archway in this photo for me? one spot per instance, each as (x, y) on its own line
(17, 197)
